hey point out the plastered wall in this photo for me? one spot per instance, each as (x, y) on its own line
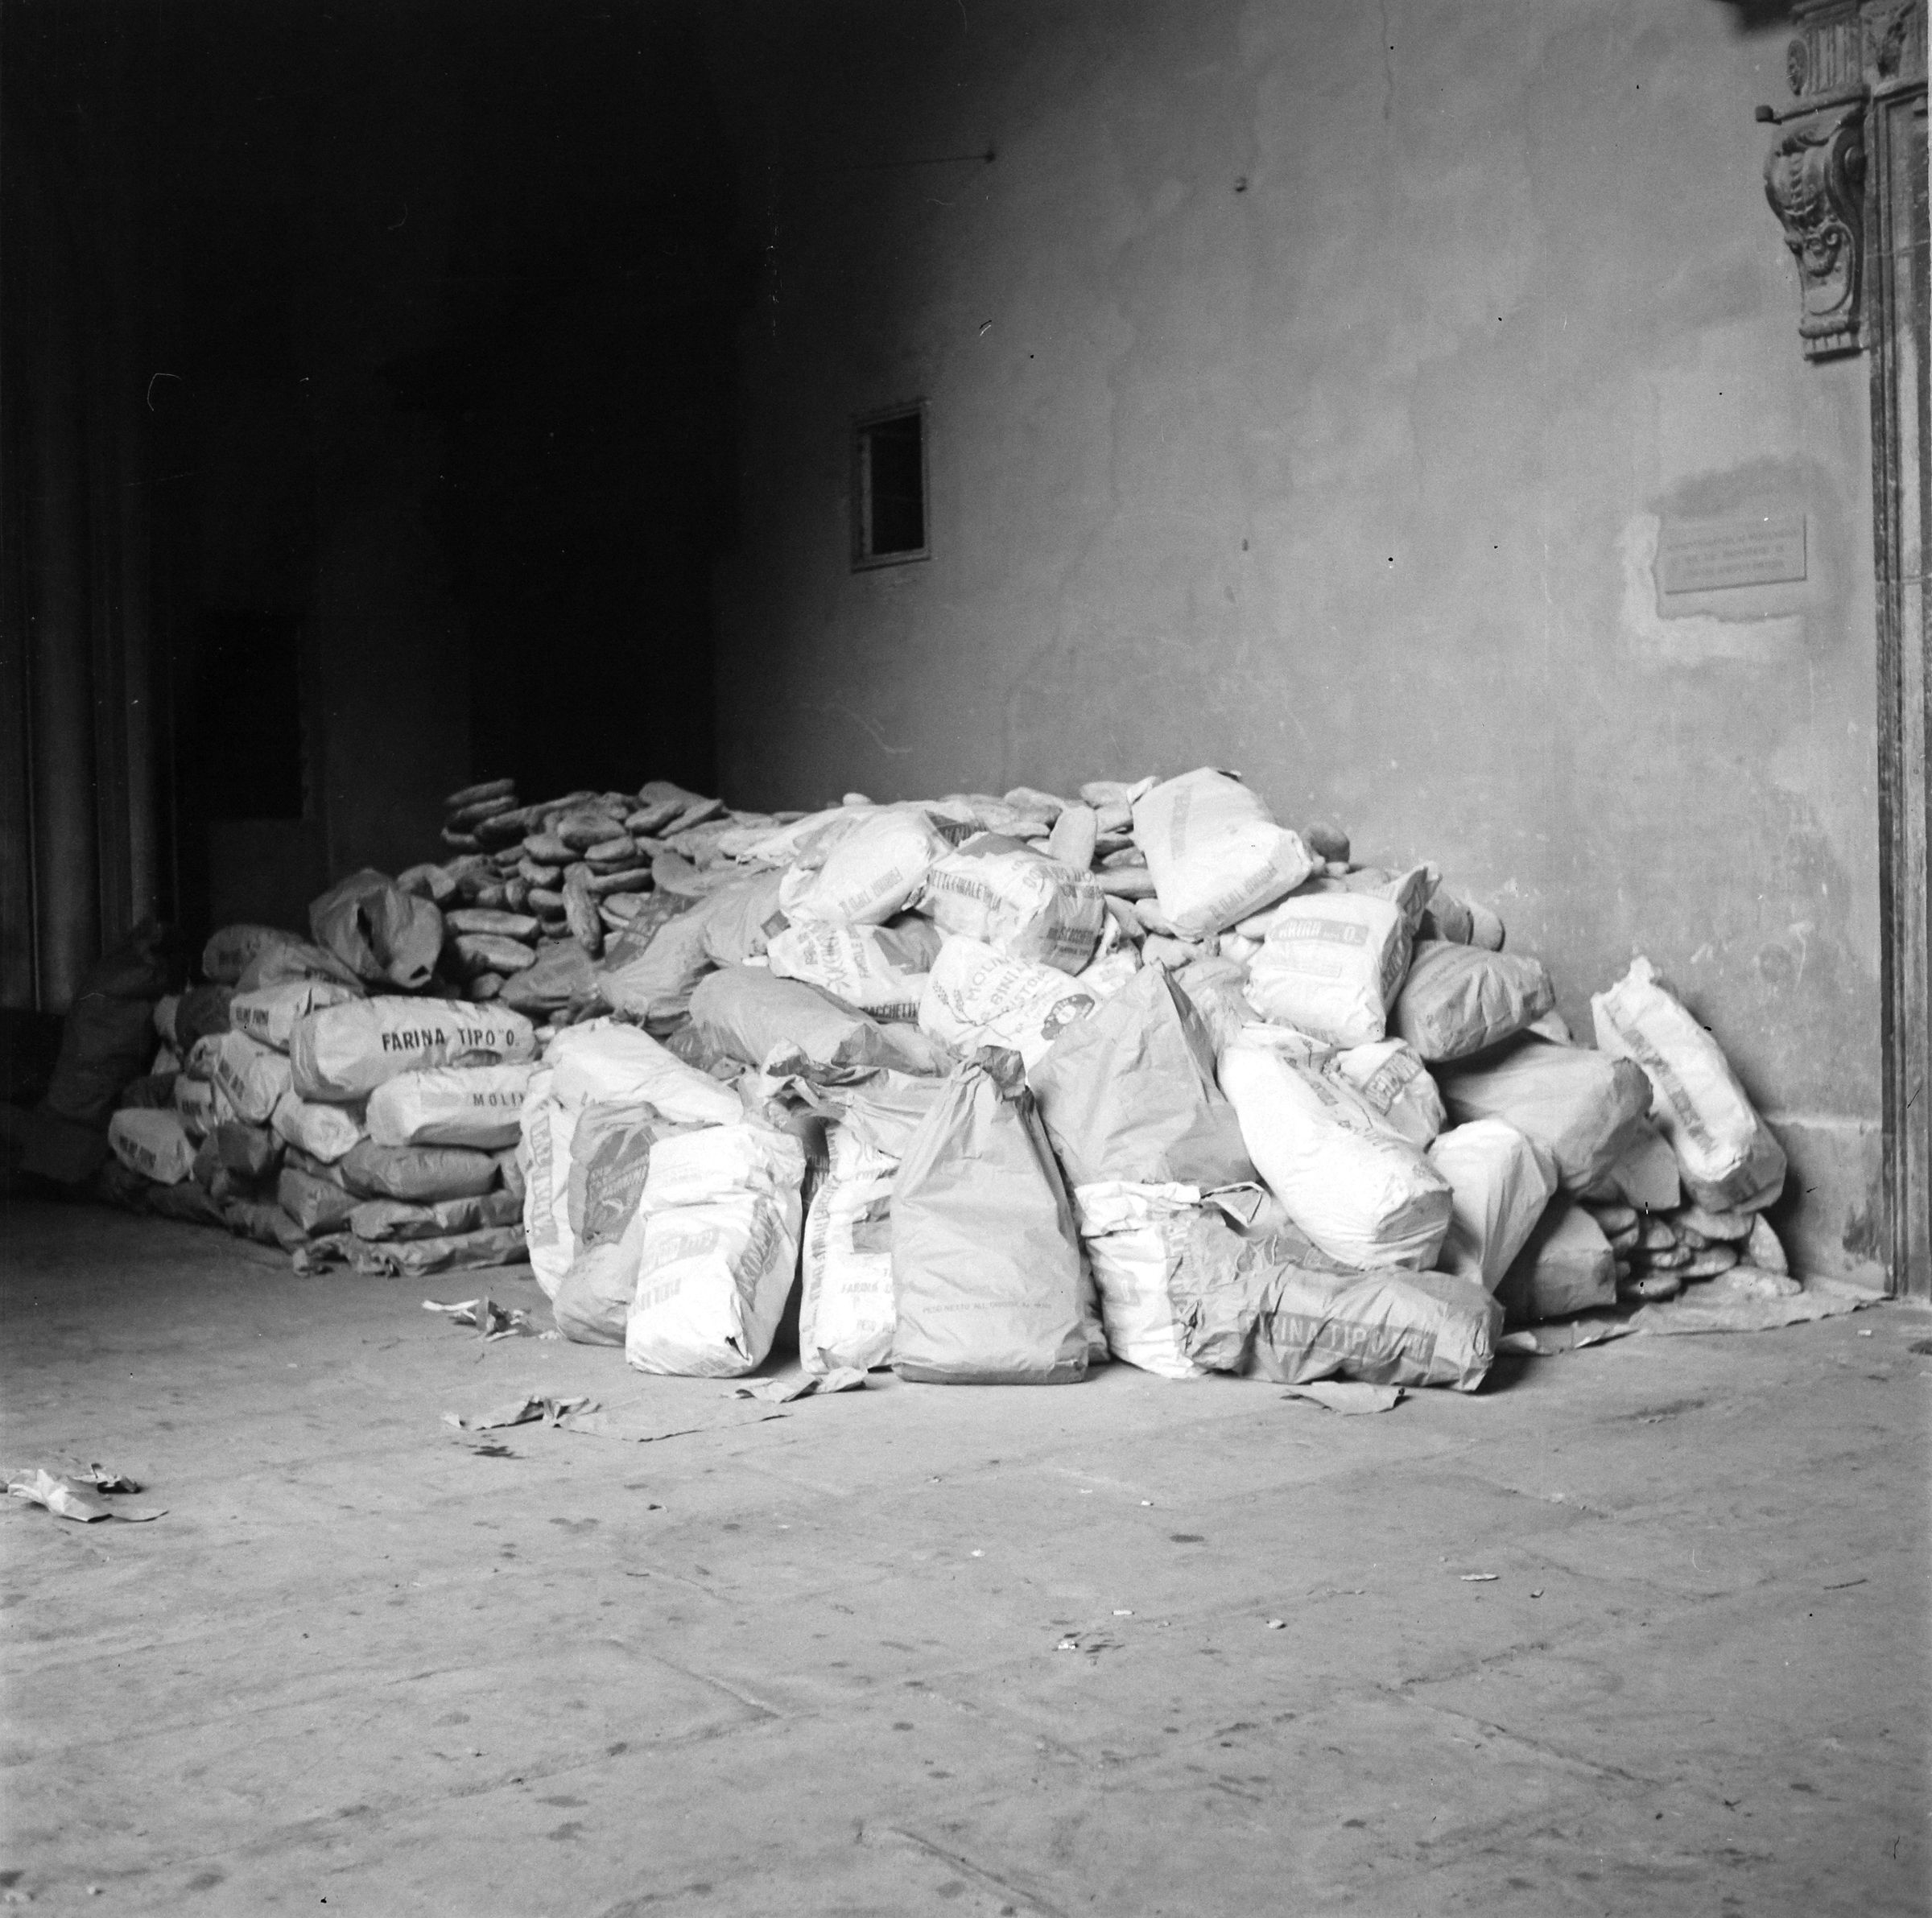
(1308, 384)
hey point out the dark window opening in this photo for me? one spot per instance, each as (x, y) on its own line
(889, 488)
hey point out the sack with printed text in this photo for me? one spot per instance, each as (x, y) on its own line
(1360, 1190)
(1332, 965)
(718, 1227)
(845, 1309)
(879, 970)
(1726, 1153)
(1214, 851)
(1018, 901)
(1162, 1310)
(268, 1014)
(876, 869)
(480, 1106)
(975, 996)
(343, 1052)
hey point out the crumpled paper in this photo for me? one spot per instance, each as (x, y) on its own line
(1710, 1305)
(491, 1319)
(77, 1495)
(583, 1414)
(1348, 1396)
(781, 1392)
(526, 1411)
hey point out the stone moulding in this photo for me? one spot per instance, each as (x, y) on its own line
(1815, 180)
(1844, 54)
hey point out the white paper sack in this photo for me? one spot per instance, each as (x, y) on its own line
(1018, 902)
(1394, 1080)
(200, 1105)
(851, 963)
(452, 1105)
(845, 1314)
(153, 1142)
(1364, 1196)
(975, 996)
(873, 872)
(1214, 850)
(712, 1280)
(719, 1246)
(600, 1061)
(269, 1014)
(546, 1127)
(1501, 1184)
(344, 1052)
(1727, 1154)
(697, 1167)
(1330, 966)
(254, 1076)
(1135, 1237)
(324, 1132)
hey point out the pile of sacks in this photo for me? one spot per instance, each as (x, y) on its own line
(1007, 1085)
(1021, 1082)
(533, 891)
(305, 1096)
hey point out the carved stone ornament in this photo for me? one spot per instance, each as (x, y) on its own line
(1847, 61)
(1815, 180)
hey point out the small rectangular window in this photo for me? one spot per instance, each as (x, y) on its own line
(888, 516)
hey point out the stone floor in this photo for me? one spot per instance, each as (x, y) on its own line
(812, 1664)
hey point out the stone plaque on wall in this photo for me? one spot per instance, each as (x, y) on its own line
(1705, 555)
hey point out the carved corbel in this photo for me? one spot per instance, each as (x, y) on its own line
(1815, 180)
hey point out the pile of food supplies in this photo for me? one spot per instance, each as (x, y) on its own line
(1007, 1086)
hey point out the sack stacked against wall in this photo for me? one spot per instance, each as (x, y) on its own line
(1006, 1083)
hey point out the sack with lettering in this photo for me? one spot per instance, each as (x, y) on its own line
(200, 1104)
(480, 1106)
(603, 1061)
(324, 1131)
(875, 870)
(881, 970)
(976, 996)
(1017, 900)
(1214, 852)
(1362, 1193)
(718, 1233)
(268, 1014)
(151, 1142)
(610, 1149)
(1397, 1083)
(1163, 1311)
(1332, 965)
(343, 1052)
(845, 1311)
(254, 1076)
(1725, 1151)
